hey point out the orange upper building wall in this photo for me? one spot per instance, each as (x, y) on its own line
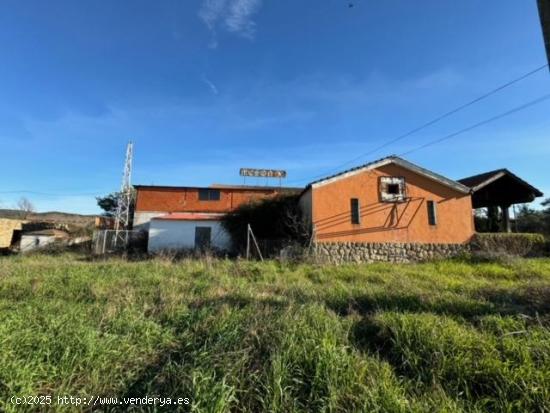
(403, 222)
(181, 199)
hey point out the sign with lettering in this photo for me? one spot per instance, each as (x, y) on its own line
(263, 173)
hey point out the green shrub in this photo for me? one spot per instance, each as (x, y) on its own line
(520, 245)
(276, 218)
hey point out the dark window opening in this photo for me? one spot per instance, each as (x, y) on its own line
(432, 213)
(203, 237)
(355, 214)
(209, 194)
(393, 189)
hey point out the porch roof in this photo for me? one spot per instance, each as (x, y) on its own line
(499, 188)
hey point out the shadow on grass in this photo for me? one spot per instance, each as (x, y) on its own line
(155, 381)
(170, 374)
(531, 300)
(371, 303)
(209, 344)
(239, 302)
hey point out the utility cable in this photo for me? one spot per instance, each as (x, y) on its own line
(431, 122)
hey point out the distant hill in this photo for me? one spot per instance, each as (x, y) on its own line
(51, 216)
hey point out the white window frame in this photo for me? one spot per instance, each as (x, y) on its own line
(385, 196)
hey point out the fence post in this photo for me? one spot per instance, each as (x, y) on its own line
(247, 241)
(95, 242)
(311, 238)
(104, 240)
(255, 242)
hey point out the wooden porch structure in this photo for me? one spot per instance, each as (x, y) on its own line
(500, 189)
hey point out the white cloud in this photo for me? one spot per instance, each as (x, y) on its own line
(210, 85)
(239, 18)
(211, 11)
(234, 16)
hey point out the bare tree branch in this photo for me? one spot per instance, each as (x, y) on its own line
(25, 207)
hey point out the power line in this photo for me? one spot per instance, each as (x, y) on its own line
(477, 125)
(432, 122)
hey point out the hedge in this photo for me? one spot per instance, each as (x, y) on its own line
(509, 243)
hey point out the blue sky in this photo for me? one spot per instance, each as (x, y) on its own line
(208, 86)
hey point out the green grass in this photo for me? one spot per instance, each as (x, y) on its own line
(239, 336)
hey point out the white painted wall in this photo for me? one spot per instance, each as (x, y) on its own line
(180, 235)
(142, 219)
(34, 242)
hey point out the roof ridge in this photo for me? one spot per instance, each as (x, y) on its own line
(403, 163)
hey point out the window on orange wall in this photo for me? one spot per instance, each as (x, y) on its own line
(355, 214)
(432, 213)
(392, 189)
(206, 194)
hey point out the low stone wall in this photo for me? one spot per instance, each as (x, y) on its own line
(342, 252)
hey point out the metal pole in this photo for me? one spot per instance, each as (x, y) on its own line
(312, 238)
(515, 217)
(104, 240)
(97, 234)
(247, 241)
(256, 243)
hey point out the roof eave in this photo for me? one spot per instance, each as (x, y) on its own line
(404, 164)
(499, 174)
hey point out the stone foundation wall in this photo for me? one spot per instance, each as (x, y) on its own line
(342, 252)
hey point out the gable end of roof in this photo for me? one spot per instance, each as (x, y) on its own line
(397, 161)
(477, 182)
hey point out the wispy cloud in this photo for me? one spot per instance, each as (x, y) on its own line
(234, 16)
(210, 85)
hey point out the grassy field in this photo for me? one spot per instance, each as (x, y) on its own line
(254, 337)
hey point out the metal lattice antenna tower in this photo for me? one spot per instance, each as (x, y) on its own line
(122, 218)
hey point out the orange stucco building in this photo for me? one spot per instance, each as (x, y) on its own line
(389, 201)
(155, 201)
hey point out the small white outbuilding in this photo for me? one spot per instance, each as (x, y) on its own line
(187, 231)
(34, 240)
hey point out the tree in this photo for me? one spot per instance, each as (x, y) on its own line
(487, 219)
(25, 207)
(546, 215)
(534, 220)
(108, 203)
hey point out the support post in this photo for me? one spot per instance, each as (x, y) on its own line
(506, 227)
(515, 218)
(493, 219)
(104, 240)
(247, 241)
(256, 243)
(311, 238)
(97, 235)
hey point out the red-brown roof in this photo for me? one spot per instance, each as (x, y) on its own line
(189, 216)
